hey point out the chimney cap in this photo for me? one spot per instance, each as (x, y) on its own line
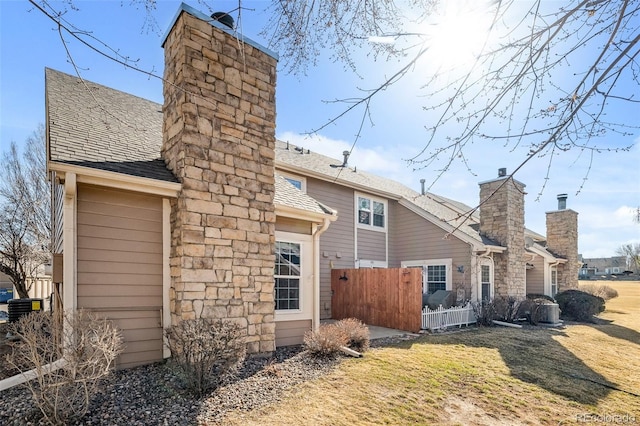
(562, 201)
(224, 18)
(502, 172)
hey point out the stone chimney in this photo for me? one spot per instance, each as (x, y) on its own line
(219, 140)
(562, 240)
(502, 220)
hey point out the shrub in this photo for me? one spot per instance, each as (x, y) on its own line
(326, 341)
(604, 291)
(205, 352)
(499, 308)
(91, 345)
(579, 305)
(357, 333)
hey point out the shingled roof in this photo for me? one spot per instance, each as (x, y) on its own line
(95, 126)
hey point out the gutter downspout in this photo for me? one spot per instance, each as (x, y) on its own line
(316, 270)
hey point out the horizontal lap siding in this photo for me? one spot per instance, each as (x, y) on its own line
(372, 245)
(414, 238)
(535, 276)
(120, 266)
(337, 242)
(57, 218)
(286, 224)
(291, 332)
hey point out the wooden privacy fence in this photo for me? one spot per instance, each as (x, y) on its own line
(383, 297)
(434, 319)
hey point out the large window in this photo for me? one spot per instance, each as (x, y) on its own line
(287, 276)
(371, 212)
(436, 278)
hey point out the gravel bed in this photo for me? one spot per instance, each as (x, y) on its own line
(151, 395)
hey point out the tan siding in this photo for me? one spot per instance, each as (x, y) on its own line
(337, 243)
(291, 332)
(535, 276)
(372, 245)
(57, 191)
(296, 226)
(412, 237)
(120, 266)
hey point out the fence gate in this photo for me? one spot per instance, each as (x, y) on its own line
(383, 297)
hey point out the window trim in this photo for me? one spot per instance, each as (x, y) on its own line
(370, 226)
(299, 277)
(489, 263)
(306, 278)
(290, 176)
(448, 263)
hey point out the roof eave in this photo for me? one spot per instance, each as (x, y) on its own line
(88, 175)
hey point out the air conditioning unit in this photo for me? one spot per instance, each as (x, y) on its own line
(549, 313)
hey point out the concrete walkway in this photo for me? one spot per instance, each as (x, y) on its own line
(377, 332)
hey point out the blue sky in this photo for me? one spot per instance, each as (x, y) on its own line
(29, 42)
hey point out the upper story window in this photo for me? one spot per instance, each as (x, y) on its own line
(297, 181)
(371, 212)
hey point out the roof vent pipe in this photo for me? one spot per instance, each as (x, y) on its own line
(562, 201)
(346, 158)
(224, 18)
(422, 186)
(502, 172)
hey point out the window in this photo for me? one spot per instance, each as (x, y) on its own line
(554, 281)
(485, 280)
(287, 276)
(436, 278)
(371, 212)
(298, 181)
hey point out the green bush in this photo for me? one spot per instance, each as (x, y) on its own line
(579, 305)
(205, 352)
(326, 341)
(357, 333)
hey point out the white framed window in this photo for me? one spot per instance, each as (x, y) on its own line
(371, 212)
(436, 273)
(299, 182)
(486, 279)
(287, 276)
(554, 281)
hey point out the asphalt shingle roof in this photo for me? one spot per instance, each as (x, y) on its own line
(99, 127)
(95, 126)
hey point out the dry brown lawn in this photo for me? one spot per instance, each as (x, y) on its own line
(497, 376)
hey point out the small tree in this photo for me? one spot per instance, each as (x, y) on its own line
(632, 253)
(25, 220)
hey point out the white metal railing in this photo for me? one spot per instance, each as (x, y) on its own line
(434, 319)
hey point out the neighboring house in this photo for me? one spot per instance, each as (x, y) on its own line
(593, 267)
(382, 223)
(169, 212)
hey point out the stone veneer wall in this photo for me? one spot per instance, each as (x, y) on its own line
(219, 140)
(502, 220)
(562, 240)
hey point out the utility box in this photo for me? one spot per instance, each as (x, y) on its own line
(441, 297)
(20, 307)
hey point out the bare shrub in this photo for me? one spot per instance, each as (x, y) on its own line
(604, 291)
(85, 347)
(357, 333)
(499, 308)
(206, 352)
(326, 341)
